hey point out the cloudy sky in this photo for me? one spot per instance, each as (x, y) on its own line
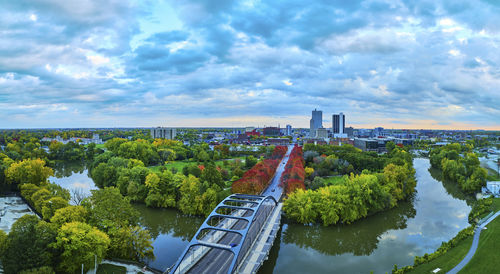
(396, 64)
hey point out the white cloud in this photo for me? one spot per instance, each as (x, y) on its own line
(446, 22)
(33, 17)
(98, 60)
(454, 52)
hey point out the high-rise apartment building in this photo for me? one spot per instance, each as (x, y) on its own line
(288, 131)
(338, 125)
(163, 132)
(316, 122)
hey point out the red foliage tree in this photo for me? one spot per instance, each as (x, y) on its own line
(255, 180)
(294, 175)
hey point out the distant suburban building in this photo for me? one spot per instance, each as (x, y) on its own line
(278, 141)
(271, 131)
(288, 131)
(249, 129)
(338, 125)
(83, 141)
(315, 122)
(163, 132)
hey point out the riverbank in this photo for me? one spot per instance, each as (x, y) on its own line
(455, 255)
(378, 242)
(485, 259)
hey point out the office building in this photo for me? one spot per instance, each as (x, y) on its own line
(163, 132)
(338, 125)
(321, 133)
(288, 131)
(349, 131)
(316, 122)
(271, 131)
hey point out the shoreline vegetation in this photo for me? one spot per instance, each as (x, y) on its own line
(391, 178)
(450, 253)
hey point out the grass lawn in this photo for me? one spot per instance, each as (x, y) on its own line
(486, 259)
(448, 260)
(110, 269)
(333, 180)
(101, 146)
(496, 205)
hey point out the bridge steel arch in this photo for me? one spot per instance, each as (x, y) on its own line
(255, 205)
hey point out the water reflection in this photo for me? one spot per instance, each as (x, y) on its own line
(359, 238)
(73, 176)
(171, 232)
(452, 188)
(436, 214)
(168, 221)
(66, 169)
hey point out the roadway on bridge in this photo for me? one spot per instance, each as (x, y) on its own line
(278, 191)
(213, 261)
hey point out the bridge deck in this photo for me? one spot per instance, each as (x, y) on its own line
(251, 233)
(260, 250)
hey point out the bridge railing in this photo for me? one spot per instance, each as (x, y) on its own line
(231, 213)
(264, 211)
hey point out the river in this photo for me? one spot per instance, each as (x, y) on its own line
(436, 213)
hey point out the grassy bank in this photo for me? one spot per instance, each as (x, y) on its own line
(486, 259)
(448, 260)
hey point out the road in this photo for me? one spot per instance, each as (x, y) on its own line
(278, 191)
(211, 262)
(473, 248)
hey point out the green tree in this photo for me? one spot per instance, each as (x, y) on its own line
(302, 206)
(250, 161)
(39, 270)
(28, 172)
(105, 175)
(38, 199)
(210, 176)
(3, 243)
(190, 190)
(131, 243)
(79, 242)
(108, 208)
(51, 205)
(69, 214)
(390, 146)
(28, 245)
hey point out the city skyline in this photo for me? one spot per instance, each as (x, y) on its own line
(393, 64)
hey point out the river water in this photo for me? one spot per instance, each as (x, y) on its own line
(436, 213)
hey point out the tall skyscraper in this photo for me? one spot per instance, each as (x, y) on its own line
(288, 131)
(316, 122)
(338, 125)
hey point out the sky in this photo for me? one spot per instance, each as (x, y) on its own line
(204, 63)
